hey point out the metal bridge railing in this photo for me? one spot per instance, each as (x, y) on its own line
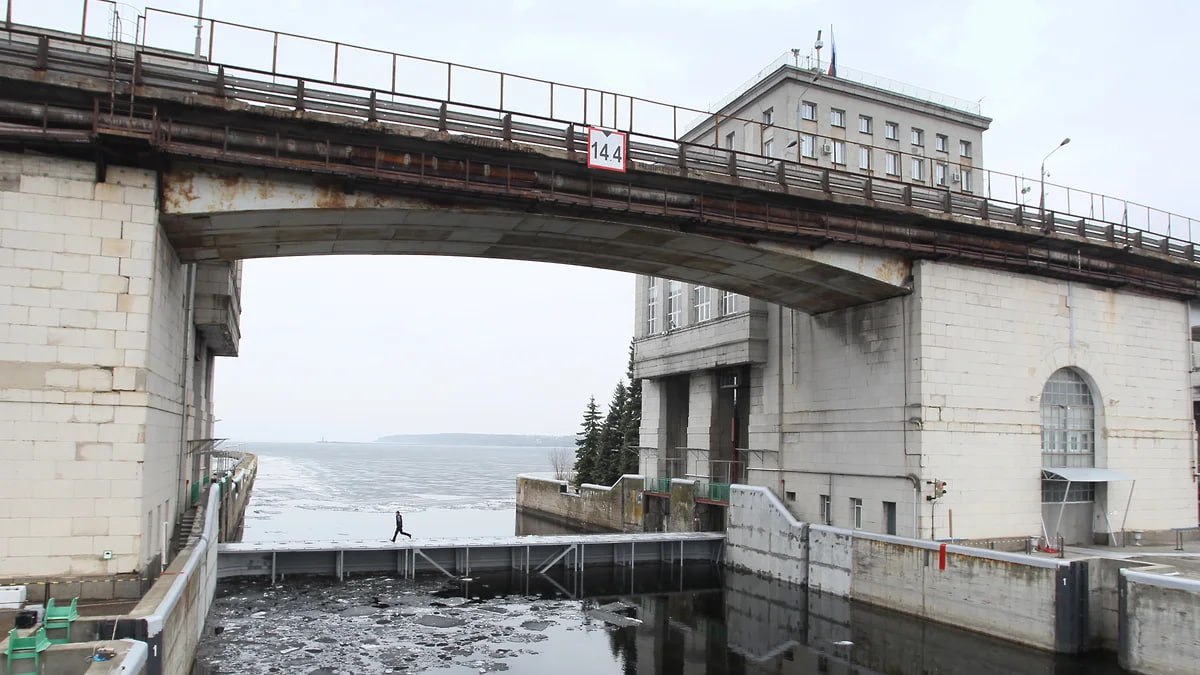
(483, 102)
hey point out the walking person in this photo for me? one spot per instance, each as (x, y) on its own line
(399, 528)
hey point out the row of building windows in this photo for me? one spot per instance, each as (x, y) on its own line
(943, 173)
(702, 301)
(856, 512)
(866, 125)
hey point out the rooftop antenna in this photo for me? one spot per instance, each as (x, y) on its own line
(796, 56)
(817, 46)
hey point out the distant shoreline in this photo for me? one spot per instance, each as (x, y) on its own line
(492, 440)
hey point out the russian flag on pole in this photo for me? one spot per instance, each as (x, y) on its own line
(833, 53)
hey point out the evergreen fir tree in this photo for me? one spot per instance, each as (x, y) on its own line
(631, 421)
(612, 436)
(587, 445)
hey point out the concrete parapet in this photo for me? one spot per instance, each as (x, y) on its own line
(1033, 600)
(616, 508)
(1158, 631)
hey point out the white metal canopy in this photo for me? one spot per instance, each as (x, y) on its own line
(1081, 474)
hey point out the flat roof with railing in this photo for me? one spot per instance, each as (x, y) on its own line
(808, 63)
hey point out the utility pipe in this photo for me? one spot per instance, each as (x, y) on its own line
(185, 370)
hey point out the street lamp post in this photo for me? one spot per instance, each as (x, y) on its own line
(1042, 176)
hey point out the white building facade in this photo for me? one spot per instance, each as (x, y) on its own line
(983, 404)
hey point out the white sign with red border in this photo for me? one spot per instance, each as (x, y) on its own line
(606, 149)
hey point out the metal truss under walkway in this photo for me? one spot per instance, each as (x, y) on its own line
(462, 557)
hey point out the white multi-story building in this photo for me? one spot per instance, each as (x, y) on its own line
(983, 404)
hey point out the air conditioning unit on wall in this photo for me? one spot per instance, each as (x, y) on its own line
(827, 148)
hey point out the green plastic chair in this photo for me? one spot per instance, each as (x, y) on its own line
(61, 618)
(27, 648)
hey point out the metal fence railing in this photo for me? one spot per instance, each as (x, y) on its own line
(268, 68)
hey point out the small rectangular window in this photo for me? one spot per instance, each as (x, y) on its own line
(808, 111)
(964, 148)
(889, 517)
(703, 305)
(918, 137)
(856, 513)
(652, 307)
(729, 138)
(939, 174)
(808, 146)
(918, 169)
(826, 512)
(891, 131)
(966, 179)
(728, 303)
(864, 124)
(769, 116)
(892, 163)
(837, 117)
(839, 152)
(864, 158)
(941, 143)
(769, 148)
(791, 496)
(674, 305)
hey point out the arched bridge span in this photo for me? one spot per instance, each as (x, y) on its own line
(212, 213)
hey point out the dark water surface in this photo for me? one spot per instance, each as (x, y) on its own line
(650, 620)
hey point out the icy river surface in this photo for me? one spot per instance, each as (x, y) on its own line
(611, 621)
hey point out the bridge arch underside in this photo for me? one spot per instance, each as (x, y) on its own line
(240, 216)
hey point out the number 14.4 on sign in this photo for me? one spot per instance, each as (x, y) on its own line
(606, 149)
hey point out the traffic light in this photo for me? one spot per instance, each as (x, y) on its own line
(939, 489)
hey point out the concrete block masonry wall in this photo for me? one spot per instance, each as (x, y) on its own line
(617, 508)
(1159, 633)
(1032, 600)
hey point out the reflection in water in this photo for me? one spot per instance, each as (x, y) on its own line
(695, 619)
(708, 621)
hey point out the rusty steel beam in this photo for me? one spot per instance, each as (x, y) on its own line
(479, 172)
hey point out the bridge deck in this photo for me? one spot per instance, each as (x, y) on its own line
(460, 557)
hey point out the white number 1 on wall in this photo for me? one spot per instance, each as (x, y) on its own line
(606, 149)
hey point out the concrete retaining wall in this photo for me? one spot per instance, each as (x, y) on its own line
(762, 537)
(1033, 600)
(616, 508)
(1158, 628)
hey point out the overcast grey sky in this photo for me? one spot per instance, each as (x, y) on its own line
(356, 348)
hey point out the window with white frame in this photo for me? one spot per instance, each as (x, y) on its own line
(939, 174)
(839, 152)
(808, 111)
(808, 146)
(652, 306)
(769, 148)
(918, 168)
(826, 511)
(729, 139)
(728, 303)
(1068, 421)
(674, 304)
(864, 158)
(891, 131)
(769, 116)
(837, 117)
(891, 163)
(918, 136)
(1068, 436)
(864, 124)
(964, 148)
(941, 143)
(703, 304)
(856, 513)
(965, 178)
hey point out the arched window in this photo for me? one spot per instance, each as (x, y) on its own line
(1068, 434)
